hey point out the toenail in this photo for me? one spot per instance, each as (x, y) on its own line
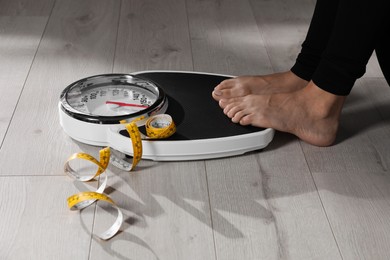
(217, 92)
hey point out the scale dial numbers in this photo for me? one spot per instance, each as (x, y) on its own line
(109, 98)
(111, 101)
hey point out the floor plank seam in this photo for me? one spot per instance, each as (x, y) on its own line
(117, 36)
(261, 33)
(321, 201)
(91, 236)
(27, 75)
(281, 243)
(372, 77)
(210, 210)
(189, 35)
(31, 175)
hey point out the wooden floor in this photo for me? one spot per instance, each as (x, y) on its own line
(289, 201)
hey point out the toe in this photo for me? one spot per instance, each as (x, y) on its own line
(217, 92)
(238, 116)
(217, 95)
(229, 110)
(223, 103)
(223, 85)
(246, 120)
(234, 111)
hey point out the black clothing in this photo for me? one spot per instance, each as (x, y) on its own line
(342, 37)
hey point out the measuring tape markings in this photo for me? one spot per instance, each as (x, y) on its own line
(136, 141)
(160, 127)
(84, 199)
(157, 127)
(104, 155)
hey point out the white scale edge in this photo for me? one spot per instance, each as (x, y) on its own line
(160, 150)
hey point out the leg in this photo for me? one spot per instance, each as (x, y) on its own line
(317, 37)
(359, 27)
(312, 113)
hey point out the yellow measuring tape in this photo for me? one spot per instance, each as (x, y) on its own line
(157, 127)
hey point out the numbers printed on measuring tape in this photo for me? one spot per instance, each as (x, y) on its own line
(102, 165)
(157, 127)
(160, 127)
(84, 199)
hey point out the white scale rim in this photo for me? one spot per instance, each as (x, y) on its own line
(160, 150)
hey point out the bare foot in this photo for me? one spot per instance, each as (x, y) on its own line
(245, 85)
(311, 113)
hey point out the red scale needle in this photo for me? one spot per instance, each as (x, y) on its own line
(122, 104)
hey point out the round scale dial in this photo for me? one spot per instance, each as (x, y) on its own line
(108, 99)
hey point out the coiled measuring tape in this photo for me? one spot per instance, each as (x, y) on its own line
(157, 127)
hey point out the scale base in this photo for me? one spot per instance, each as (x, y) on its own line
(203, 131)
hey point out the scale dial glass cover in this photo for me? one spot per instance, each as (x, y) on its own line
(108, 99)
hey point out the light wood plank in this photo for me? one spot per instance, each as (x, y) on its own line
(79, 41)
(26, 8)
(284, 25)
(352, 176)
(373, 70)
(225, 38)
(268, 206)
(21, 29)
(35, 222)
(167, 210)
(153, 35)
(166, 204)
(264, 205)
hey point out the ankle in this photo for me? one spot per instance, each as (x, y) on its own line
(322, 104)
(288, 78)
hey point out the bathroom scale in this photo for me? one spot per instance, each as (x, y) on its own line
(92, 111)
